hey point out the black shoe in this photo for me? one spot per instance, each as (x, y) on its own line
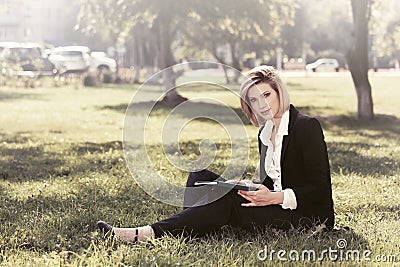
(105, 228)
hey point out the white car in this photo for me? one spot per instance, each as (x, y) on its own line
(324, 63)
(70, 59)
(103, 66)
(79, 59)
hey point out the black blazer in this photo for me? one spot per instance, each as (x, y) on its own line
(304, 167)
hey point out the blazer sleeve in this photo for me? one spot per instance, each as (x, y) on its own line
(317, 185)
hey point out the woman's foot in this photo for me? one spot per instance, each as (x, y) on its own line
(143, 233)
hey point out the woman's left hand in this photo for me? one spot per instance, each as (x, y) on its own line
(261, 197)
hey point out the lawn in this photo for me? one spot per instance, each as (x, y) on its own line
(62, 168)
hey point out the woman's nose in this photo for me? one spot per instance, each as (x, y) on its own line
(262, 103)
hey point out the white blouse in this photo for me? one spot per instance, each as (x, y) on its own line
(273, 156)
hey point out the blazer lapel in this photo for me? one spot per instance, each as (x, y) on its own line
(262, 160)
(265, 179)
(286, 139)
(262, 150)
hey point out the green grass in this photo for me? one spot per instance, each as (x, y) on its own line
(62, 168)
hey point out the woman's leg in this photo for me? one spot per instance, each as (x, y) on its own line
(199, 220)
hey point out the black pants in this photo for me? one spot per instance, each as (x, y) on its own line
(227, 210)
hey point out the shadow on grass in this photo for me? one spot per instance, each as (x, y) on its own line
(348, 158)
(89, 147)
(189, 110)
(23, 159)
(383, 125)
(12, 95)
(381, 208)
(20, 161)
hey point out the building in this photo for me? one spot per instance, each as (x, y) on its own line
(49, 21)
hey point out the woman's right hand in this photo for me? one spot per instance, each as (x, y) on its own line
(261, 197)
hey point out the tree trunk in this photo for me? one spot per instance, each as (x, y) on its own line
(136, 47)
(358, 59)
(151, 51)
(171, 98)
(235, 61)
(222, 61)
(225, 69)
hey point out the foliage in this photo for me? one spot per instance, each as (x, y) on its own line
(109, 18)
(384, 26)
(309, 29)
(245, 27)
(317, 27)
(393, 39)
(206, 25)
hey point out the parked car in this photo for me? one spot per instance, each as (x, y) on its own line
(103, 66)
(25, 59)
(323, 63)
(4, 71)
(70, 59)
(79, 59)
(6, 44)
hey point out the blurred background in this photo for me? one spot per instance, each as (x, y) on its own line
(127, 41)
(137, 34)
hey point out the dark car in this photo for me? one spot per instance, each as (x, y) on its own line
(21, 58)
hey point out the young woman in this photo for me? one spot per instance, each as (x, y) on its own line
(294, 168)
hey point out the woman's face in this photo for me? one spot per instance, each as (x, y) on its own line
(264, 101)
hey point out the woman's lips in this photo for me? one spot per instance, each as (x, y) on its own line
(266, 112)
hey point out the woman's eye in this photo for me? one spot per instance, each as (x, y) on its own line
(252, 100)
(266, 94)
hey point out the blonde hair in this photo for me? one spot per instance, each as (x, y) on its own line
(258, 75)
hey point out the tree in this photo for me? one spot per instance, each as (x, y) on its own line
(239, 27)
(385, 30)
(108, 18)
(243, 28)
(358, 58)
(392, 35)
(317, 27)
(117, 19)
